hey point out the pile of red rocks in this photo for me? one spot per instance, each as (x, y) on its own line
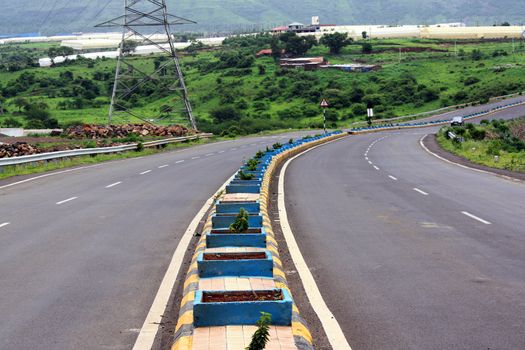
(121, 131)
(17, 149)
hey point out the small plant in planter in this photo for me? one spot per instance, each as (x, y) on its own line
(290, 141)
(244, 176)
(240, 224)
(277, 145)
(267, 149)
(259, 154)
(262, 334)
(252, 164)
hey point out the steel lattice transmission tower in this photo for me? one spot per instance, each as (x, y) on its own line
(132, 79)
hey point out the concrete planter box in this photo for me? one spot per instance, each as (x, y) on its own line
(207, 312)
(225, 220)
(256, 173)
(255, 238)
(246, 264)
(254, 182)
(243, 188)
(235, 207)
(259, 167)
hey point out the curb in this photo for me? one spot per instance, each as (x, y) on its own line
(184, 330)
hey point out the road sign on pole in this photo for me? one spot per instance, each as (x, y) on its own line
(324, 105)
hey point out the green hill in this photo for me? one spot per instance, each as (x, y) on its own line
(64, 16)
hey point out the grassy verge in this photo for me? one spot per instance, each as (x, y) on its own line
(492, 144)
(42, 167)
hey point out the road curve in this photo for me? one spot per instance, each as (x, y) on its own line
(411, 252)
(83, 253)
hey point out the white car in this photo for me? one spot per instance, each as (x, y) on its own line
(457, 121)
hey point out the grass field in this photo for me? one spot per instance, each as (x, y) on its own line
(498, 144)
(270, 99)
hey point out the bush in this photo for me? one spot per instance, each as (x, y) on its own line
(471, 81)
(359, 109)
(11, 123)
(240, 224)
(225, 113)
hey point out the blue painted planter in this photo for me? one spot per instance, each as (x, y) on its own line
(215, 239)
(259, 266)
(235, 207)
(255, 182)
(243, 188)
(209, 314)
(225, 220)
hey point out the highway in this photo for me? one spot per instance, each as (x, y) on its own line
(408, 251)
(82, 253)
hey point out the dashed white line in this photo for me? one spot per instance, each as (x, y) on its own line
(392, 177)
(222, 151)
(233, 149)
(420, 191)
(210, 154)
(145, 172)
(376, 168)
(179, 161)
(164, 166)
(475, 217)
(4, 224)
(366, 158)
(114, 184)
(66, 200)
(369, 162)
(195, 157)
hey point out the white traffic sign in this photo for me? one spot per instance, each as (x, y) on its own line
(324, 103)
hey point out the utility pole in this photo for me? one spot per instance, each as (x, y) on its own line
(131, 79)
(400, 55)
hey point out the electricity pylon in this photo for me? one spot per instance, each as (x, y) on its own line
(132, 79)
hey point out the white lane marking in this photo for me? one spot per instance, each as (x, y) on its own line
(222, 151)
(331, 327)
(392, 177)
(366, 158)
(180, 161)
(195, 157)
(210, 154)
(369, 162)
(422, 192)
(4, 224)
(164, 166)
(376, 168)
(153, 320)
(145, 172)
(66, 200)
(476, 218)
(114, 184)
(233, 149)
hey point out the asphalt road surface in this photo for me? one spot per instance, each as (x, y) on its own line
(83, 253)
(411, 252)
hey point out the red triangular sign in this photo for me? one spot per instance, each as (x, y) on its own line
(324, 103)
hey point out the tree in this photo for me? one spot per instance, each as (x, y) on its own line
(225, 113)
(20, 102)
(366, 48)
(336, 41)
(2, 104)
(298, 45)
(276, 48)
(364, 34)
(129, 46)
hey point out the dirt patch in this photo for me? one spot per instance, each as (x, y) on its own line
(234, 256)
(229, 232)
(430, 141)
(232, 297)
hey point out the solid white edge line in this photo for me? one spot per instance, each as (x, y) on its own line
(330, 325)
(150, 327)
(114, 184)
(392, 177)
(420, 191)
(4, 224)
(145, 172)
(467, 167)
(476, 218)
(66, 200)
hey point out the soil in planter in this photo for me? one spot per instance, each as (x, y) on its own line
(235, 256)
(230, 297)
(229, 232)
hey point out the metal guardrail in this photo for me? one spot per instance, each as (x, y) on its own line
(93, 151)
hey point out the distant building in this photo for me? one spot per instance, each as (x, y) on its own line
(308, 63)
(296, 27)
(352, 67)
